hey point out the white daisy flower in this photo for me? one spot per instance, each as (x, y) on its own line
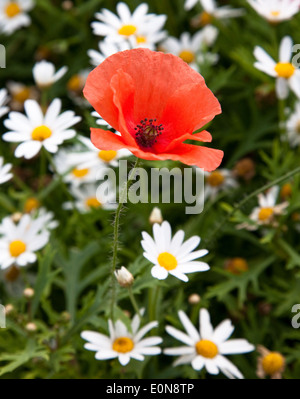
(187, 47)
(44, 73)
(275, 10)
(106, 49)
(20, 93)
(209, 35)
(66, 163)
(293, 127)
(207, 347)
(286, 74)
(3, 102)
(13, 15)
(88, 197)
(266, 212)
(98, 158)
(211, 10)
(170, 255)
(36, 130)
(218, 180)
(45, 219)
(122, 27)
(77, 81)
(146, 39)
(123, 344)
(100, 121)
(5, 174)
(18, 243)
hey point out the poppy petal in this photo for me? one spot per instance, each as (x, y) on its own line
(206, 158)
(99, 94)
(123, 98)
(156, 77)
(203, 136)
(188, 109)
(106, 140)
(133, 86)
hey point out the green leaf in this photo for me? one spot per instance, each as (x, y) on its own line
(44, 277)
(72, 268)
(239, 282)
(17, 359)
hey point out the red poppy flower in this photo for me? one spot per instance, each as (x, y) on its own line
(156, 101)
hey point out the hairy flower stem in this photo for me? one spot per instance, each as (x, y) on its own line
(122, 199)
(248, 198)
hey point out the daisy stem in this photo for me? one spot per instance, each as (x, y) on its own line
(282, 127)
(133, 302)
(281, 115)
(44, 98)
(42, 168)
(122, 198)
(249, 197)
(19, 182)
(153, 301)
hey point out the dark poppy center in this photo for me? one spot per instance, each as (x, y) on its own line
(147, 132)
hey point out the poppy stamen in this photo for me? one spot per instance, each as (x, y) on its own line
(146, 132)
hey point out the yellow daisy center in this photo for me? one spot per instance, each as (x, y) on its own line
(141, 39)
(275, 13)
(298, 127)
(123, 345)
(22, 95)
(167, 260)
(237, 265)
(41, 133)
(31, 204)
(74, 83)
(127, 30)
(207, 348)
(265, 214)
(187, 56)
(285, 69)
(286, 190)
(296, 217)
(92, 202)
(205, 18)
(272, 363)
(80, 172)
(215, 179)
(107, 156)
(16, 248)
(12, 9)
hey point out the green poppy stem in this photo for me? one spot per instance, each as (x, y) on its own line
(122, 199)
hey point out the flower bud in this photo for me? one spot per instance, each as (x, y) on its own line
(15, 217)
(28, 292)
(124, 277)
(31, 327)
(9, 308)
(194, 299)
(156, 216)
(67, 5)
